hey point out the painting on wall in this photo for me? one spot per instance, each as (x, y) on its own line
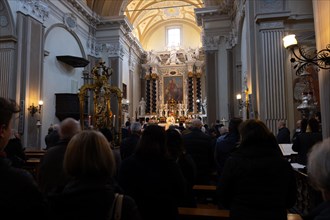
(173, 88)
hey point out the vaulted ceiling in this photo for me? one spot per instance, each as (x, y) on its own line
(148, 15)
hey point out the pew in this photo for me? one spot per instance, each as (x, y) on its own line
(34, 153)
(205, 194)
(202, 213)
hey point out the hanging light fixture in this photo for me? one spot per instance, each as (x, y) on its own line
(320, 59)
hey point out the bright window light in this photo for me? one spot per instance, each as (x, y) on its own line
(173, 37)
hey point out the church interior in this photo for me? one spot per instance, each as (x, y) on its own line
(106, 62)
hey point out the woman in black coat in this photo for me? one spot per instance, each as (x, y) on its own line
(154, 180)
(257, 182)
(90, 194)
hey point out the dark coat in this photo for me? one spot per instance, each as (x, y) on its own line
(303, 144)
(15, 152)
(19, 194)
(283, 136)
(225, 145)
(321, 212)
(51, 174)
(128, 145)
(89, 199)
(52, 139)
(257, 182)
(199, 146)
(157, 185)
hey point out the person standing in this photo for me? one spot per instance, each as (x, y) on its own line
(128, 145)
(283, 135)
(199, 146)
(151, 178)
(91, 191)
(226, 144)
(19, 194)
(257, 182)
(306, 140)
(51, 175)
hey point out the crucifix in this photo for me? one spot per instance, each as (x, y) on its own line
(223, 120)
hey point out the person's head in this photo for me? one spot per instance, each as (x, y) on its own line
(136, 128)
(127, 123)
(174, 142)
(298, 124)
(318, 167)
(7, 109)
(196, 123)
(281, 124)
(152, 142)
(313, 125)
(234, 124)
(223, 130)
(255, 131)
(89, 155)
(68, 128)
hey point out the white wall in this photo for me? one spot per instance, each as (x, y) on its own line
(58, 77)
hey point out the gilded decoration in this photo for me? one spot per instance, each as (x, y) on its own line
(102, 92)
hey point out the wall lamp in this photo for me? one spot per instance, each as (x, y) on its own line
(320, 59)
(34, 109)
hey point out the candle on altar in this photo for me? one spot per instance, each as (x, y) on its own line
(114, 120)
(89, 120)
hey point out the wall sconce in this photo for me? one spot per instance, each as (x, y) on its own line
(34, 109)
(302, 60)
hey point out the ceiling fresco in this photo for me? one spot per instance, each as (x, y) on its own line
(148, 15)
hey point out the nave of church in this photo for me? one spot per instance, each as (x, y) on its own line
(107, 62)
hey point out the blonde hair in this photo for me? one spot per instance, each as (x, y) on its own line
(89, 155)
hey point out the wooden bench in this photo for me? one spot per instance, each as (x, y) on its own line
(203, 213)
(34, 153)
(205, 187)
(205, 194)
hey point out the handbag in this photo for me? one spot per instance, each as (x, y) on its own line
(115, 211)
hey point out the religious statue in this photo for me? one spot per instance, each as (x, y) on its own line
(153, 58)
(204, 105)
(180, 109)
(189, 55)
(173, 59)
(142, 107)
(197, 53)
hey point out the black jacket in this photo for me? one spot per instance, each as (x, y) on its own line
(89, 199)
(19, 194)
(257, 182)
(199, 146)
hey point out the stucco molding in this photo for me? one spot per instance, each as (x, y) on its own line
(37, 9)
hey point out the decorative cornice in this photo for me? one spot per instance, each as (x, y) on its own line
(208, 12)
(37, 9)
(117, 20)
(111, 49)
(92, 17)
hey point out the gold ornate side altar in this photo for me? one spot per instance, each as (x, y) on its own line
(101, 115)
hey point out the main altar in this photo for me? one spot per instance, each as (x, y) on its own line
(174, 85)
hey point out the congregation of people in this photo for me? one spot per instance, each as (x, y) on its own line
(83, 176)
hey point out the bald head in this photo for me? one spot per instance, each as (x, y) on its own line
(196, 123)
(68, 128)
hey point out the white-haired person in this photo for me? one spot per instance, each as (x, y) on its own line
(318, 170)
